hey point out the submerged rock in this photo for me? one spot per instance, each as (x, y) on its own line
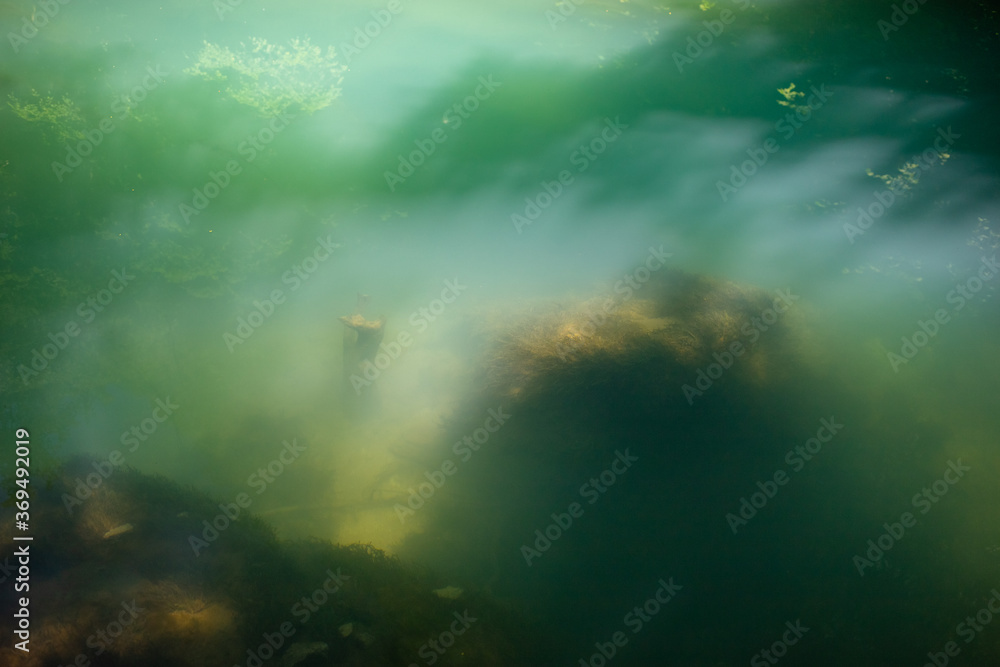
(663, 347)
(177, 594)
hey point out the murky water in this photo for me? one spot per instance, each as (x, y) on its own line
(194, 195)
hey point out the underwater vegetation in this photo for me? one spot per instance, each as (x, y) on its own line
(662, 348)
(273, 78)
(117, 583)
(434, 506)
(581, 383)
(123, 585)
(586, 384)
(62, 115)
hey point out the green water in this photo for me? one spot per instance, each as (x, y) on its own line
(192, 194)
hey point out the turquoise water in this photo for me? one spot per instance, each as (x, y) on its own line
(194, 193)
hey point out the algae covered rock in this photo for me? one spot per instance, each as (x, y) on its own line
(668, 345)
(104, 594)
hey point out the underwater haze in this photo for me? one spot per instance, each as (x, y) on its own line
(664, 332)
